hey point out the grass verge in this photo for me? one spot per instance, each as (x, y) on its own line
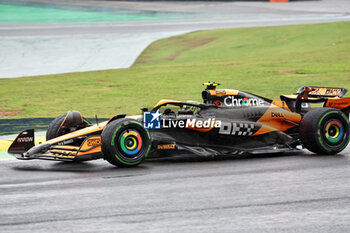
(268, 61)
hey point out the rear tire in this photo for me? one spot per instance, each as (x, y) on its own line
(324, 131)
(125, 143)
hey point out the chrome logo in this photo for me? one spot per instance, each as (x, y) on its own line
(334, 131)
(245, 102)
(131, 142)
(232, 101)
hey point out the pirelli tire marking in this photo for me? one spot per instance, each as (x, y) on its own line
(240, 129)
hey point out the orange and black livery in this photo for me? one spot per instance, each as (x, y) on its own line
(227, 122)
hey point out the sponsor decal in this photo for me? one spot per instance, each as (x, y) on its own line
(191, 123)
(151, 120)
(166, 147)
(93, 141)
(277, 114)
(324, 91)
(220, 92)
(332, 91)
(231, 101)
(330, 104)
(240, 129)
(25, 139)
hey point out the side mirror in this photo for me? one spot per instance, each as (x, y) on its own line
(143, 109)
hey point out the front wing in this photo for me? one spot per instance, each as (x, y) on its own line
(23, 148)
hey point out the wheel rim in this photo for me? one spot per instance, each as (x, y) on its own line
(334, 132)
(130, 142)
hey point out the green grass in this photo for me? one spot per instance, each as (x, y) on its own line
(268, 61)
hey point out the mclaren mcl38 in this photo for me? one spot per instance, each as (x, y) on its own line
(227, 122)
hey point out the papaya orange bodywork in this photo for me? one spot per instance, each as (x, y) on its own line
(338, 103)
(277, 118)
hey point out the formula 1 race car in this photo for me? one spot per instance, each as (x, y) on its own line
(229, 122)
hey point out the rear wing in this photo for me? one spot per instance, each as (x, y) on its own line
(323, 91)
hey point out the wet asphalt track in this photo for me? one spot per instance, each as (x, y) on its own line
(290, 193)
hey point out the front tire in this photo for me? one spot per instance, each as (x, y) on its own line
(125, 142)
(56, 129)
(325, 131)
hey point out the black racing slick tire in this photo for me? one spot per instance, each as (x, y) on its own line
(324, 131)
(54, 126)
(54, 129)
(125, 143)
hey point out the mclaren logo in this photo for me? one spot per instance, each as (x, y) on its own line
(25, 139)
